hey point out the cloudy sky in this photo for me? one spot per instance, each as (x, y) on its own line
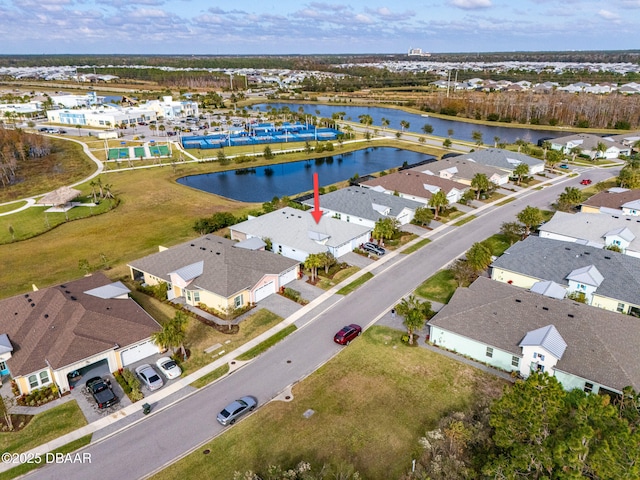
(310, 27)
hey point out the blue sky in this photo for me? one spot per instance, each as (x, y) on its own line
(298, 27)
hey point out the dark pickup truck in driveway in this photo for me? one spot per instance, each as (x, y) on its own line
(101, 391)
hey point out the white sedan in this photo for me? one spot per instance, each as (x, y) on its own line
(169, 368)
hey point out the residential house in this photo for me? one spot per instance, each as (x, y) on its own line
(295, 234)
(505, 160)
(416, 186)
(364, 206)
(615, 201)
(590, 145)
(603, 278)
(462, 171)
(597, 230)
(214, 271)
(49, 333)
(519, 331)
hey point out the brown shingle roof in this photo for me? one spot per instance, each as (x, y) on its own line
(410, 182)
(610, 199)
(63, 325)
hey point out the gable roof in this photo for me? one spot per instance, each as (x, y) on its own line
(297, 229)
(554, 260)
(500, 158)
(588, 141)
(546, 337)
(613, 198)
(461, 168)
(591, 227)
(418, 184)
(65, 324)
(549, 288)
(214, 264)
(364, 203)
(601, 345)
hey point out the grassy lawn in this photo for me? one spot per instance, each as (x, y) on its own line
(43, 428)
(211, 376)
(360, 418)
(201, 337)
(497, 243)
(27, 467)
(402, 239)
(439, 287)
(12, 206)
(459, 223)
(327, 283)
(160, 311)
(508, 200)
(268, 343)
(355, 284)
(416, 246)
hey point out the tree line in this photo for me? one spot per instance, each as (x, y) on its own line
(16, 148)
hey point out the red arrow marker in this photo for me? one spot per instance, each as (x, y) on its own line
(316, 212)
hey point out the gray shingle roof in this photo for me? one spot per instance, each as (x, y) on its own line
(226, 270)
(297, 229)
(500, 158)
(362, 202)
(462, 169)
(592, 227)
(601, 345)
(555, 260)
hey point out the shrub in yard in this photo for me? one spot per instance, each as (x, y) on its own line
(292, 294)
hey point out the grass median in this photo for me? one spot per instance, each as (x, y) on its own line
(267, 344)
(359, 420)
(355, 284)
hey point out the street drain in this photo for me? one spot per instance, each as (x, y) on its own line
(207, 451)
(288, 361)
(287, 397)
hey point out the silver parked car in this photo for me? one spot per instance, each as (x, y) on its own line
(373, 248)
(236, 409)
(149, 377)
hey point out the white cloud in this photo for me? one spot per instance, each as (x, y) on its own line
(471, 4)
(606, 14)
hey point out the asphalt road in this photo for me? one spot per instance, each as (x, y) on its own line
(159, 439)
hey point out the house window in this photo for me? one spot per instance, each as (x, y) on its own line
(540, 368)
(238, 301)
(515, 361)
(617, 242)
(33, 381)
(620, 307)
(196, 297)
(44, 377)
(188, 295)
(541, 357)
(3, 366)
(582, 287)
(348, 218)
(588, 387)
(280, 249)
(489, 352)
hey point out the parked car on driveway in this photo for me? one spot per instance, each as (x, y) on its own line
(565, 166)
(586, 181)
(169, 367)
(373, 248)
(101, 391)
(149, 377)
(236, 409)
(347, 333)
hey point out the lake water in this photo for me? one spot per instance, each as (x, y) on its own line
(461, 130)
(261, 184)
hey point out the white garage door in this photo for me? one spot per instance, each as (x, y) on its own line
(264, 291)
(289, 276)
(138, 352)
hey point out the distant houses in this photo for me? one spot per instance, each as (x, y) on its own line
(502, 159)
(590, 145)
(614, 201)
(416, 186)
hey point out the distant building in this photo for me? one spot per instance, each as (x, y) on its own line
(417, 52)
(103, 116)
(171, 109)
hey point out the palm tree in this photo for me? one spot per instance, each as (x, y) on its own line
(366, 120)
(477, 137)
(530, 217)
(601, 148)
(312, 263)
(427, 128)
(173, 333)
(478, 257)
(384, 122)
(438, 201)
(480, 183)
(415, 314)
(404, 124)
(520, 171)
(450, 132)
(384, 228)
(496, 141)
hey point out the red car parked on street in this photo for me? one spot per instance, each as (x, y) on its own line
(348, 333)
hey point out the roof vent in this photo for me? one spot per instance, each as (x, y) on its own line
(202, 248)
(46, 315)
(33, 304)
(587, 253)
(217, 253)
(567, 248)
(518, 300)
(73, 298)
(615, 216)
(26, 295)
(63, 286)
(67, 291)
(608, 258)
(570, 315)
(545, 308)
(192, 245)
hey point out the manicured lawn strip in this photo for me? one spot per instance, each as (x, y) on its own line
(161, 312)
(359, 419)
(511, 199)
(44, 427)
(268, 343)
(28, 467)
(211, 376)
(11, 206)
(416, 246)
(439, 287)
(355, 284)
(327, 283)
(459, 223)
(201, 336)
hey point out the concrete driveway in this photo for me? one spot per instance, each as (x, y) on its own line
(356, 260)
